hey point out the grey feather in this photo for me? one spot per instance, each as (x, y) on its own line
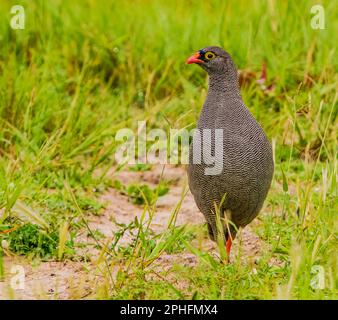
(247, 154)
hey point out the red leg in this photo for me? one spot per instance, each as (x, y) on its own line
(228, 247)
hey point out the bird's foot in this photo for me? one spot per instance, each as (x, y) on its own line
(228, 248)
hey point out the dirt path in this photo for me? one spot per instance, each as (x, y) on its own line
(69, 279)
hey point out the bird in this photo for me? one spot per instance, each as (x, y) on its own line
(238, 180)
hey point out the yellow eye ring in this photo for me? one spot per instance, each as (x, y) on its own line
(209, 55)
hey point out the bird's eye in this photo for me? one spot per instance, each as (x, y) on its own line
(209, 55)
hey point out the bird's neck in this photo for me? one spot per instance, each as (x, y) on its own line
(224, 84)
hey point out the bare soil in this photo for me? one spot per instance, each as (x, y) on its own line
(76, 279)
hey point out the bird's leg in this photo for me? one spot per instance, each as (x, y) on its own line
(228, 247)
(211, 232)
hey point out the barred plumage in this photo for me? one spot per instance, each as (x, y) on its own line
(247, 155)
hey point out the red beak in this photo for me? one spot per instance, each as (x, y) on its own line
(194, 59)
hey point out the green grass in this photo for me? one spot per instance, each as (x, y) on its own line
(81, 70)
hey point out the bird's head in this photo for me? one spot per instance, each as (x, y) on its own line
(211, 59)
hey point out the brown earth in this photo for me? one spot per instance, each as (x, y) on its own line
(79, 279)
